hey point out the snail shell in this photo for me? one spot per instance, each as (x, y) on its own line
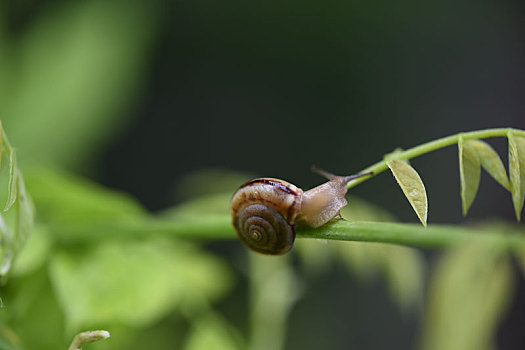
(265, 210)
(263, 213)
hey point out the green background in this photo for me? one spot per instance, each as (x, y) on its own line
(162, 99)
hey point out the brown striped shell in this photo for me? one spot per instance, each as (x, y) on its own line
(265, 210)
(263, 213)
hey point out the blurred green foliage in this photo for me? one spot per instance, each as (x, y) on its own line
(129, 284)
(16, 218)
(134, 283)
(472, 283)
(66, 81)
(97, 259)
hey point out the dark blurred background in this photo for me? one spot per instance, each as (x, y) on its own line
(270, 88)
(273, 87)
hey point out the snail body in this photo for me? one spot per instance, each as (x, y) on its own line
(265, 210)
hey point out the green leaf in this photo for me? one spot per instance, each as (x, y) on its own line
(468, 295)
(12, 188)
(212, 332)
(61, 197)
(71, 77)
(1, 137)
(469, 174)
(412, 186)
(34, 313)
(491, 162)
(25, 212)
(517, 171)
(35, 253)
(135, 282)
(274, 290)
(16, 220)
(8, 338)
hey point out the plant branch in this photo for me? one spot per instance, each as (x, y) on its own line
(207, 226)
(87, 337)
(434, 236)
(428, 147)
(219, 227)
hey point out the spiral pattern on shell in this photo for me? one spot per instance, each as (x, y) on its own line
(264, 230)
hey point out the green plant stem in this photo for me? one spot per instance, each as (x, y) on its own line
(428, 147)
(219, 228)
(87, 337)
(415, 235)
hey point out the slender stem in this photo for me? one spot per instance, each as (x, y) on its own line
(216, 228)
(435, 236)
(428, 147)
(87, 337)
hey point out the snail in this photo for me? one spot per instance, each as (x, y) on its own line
(265, 210)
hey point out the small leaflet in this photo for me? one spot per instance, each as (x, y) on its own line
(12, 187)
(491, 162)
(15, 231)
(1, 142)
(412, 186)
(25, 217)
(517, 171)
(469, 174)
